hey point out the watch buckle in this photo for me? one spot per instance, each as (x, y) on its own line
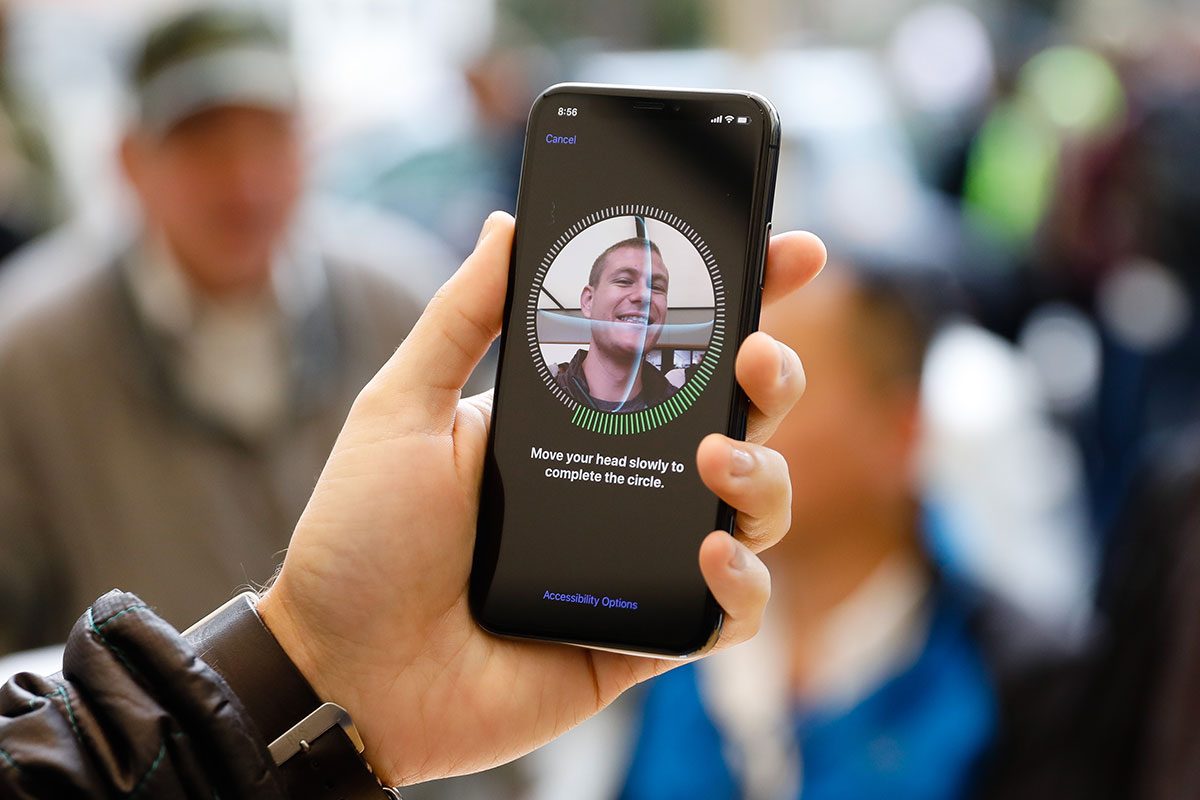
(301, 735)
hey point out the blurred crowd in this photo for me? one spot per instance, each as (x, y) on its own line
(217, 221)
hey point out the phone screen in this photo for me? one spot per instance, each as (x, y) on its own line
(641, 226)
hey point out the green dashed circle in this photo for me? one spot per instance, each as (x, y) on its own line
(630, 423)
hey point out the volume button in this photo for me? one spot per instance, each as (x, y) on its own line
(762, 266)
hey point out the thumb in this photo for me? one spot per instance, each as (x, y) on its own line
(454, 332)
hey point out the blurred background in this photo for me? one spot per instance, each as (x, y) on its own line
(993, 493)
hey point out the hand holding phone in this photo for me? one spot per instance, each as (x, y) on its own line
(371, 603)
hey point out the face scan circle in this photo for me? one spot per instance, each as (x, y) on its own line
(625, 315)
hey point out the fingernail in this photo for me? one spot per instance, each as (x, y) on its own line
(488, 224)
(740, 558)
(785, 365)
(740, 462)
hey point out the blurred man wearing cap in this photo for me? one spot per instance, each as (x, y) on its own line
(164, 418)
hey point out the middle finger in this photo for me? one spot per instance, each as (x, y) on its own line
(772, 376)
(754, 480)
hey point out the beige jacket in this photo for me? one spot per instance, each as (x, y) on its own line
(107, 479)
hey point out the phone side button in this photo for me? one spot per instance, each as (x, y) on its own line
(762, 268)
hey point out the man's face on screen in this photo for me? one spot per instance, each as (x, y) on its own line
(628, 304)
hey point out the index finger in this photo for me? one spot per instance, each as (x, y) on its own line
(771, 375)
(769, 371)
(451, 336)
(793, 259)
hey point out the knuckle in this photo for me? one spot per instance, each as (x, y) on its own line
(373, 399)
(752, 622)
(763, 531)
(760, 428)
(773, 461)
(801, 377)
(755, 532)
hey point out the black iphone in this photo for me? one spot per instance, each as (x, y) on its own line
(642, 224)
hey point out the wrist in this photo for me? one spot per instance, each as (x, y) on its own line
(278, 615)
(299, 640)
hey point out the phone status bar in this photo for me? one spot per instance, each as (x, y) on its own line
(729, 119)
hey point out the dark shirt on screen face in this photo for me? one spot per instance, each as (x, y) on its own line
(570, 377)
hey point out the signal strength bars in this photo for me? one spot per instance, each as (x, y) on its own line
(728, 119)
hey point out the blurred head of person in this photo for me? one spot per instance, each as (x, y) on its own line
(851, 443)
(507, 74)
(214, 152)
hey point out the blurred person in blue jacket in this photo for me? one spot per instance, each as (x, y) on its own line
(882, 669)
(177, 402)
(878, 673)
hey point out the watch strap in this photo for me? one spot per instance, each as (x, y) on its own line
(234, 641)
(314, 744)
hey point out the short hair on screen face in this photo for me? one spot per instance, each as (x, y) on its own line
(633, 241)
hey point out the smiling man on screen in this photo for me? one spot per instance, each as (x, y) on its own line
(626, 301)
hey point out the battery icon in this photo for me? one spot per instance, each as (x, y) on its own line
(743, 120)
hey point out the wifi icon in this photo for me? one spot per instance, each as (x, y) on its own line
(729, 118)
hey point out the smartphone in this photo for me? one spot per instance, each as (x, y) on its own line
(642, 223)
